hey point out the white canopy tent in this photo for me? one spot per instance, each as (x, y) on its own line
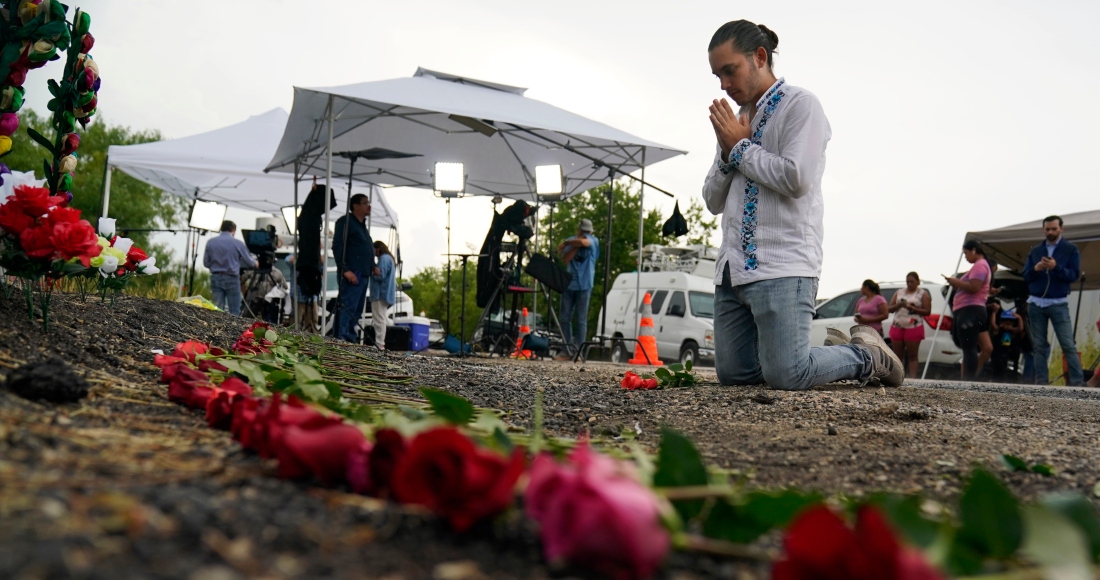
(498, 135)
(227, 166)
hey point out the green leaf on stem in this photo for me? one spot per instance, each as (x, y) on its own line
(990, 516)
(663, 373)
(316, 339)
(42, 140)
(307, 373)
(502, 441)
(1013, 463)
(687, 365)
(679, 464)
(314, 391)
(362, 414)
(760, 513)
(675, 367)
(449, 406)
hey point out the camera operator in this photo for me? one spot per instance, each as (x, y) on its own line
(225, 256)
(262, 281)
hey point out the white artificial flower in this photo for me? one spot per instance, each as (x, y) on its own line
(109, 267)
(106, 227)
(148, 265)
(123, 245)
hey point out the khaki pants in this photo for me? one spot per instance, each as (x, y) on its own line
(307, 316)
(378, 310)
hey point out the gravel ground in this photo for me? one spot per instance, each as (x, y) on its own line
(126, 485)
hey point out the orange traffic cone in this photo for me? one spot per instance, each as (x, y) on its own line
(647, 339)
(524, 330)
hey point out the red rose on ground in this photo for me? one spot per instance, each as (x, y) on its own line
(219, 411)
(37, 242)
(632, 381)
(593, 512)
(183, 382)
(819, 546)
(245, 412)
(35, 201)
(443, 471)
(318, 447)
(169, 367)
(76, 240)
(13, 219)
(207, 365)
(188, 350)
(370, 468)
(269, 427)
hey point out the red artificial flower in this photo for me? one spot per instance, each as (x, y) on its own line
(370, 468)
(63, 215)
(37, 242)
(819, 546)
(443, 471)
(318, 447)
(35, 201)
(76, 240)
(86, 43)
(60, 200)
(136, 255)
(593, 512)
(13, 219)
(71, 142)
(187, 350)
(632, 381)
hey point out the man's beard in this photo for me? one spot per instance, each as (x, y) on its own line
(1052, 238)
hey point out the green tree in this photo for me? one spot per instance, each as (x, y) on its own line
(592, 205)
(429, 293)
(134, 204)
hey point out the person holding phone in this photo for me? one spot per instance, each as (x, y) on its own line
(909, 306)
(1051, 268)
(968, 308)
(871, 308)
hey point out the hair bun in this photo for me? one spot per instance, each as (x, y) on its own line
(773, 38)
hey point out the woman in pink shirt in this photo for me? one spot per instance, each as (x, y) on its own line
(871, 308)
(968, 309)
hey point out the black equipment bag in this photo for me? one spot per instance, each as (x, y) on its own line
(549, 273)
(676, 225)
(398, 337)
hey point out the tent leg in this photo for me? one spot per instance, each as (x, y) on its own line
(449, 328)
(294, 262)
(932, 345)
(324, 234)
(607, 252)
(641, 229)
(106, 186)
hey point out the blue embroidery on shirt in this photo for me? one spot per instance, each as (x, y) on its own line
(752, 192)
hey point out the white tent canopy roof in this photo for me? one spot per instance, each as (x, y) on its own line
(227, 166)
(497, 133)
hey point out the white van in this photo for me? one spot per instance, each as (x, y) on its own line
(683, 315)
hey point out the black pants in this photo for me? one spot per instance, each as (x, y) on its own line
(970, 322)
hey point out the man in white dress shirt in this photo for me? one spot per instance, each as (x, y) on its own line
(766, 185)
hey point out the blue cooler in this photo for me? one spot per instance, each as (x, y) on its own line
(418, 329)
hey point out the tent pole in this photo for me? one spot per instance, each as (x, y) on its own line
(183, 273)
(324, 234)
(106, 185)
(607, 252)
(641, 227)
(449, 329)
(932, 345)
(294, 262)
(550, 249)
(194, 254)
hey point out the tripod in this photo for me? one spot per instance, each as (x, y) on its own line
(258, 279)
(506, 342)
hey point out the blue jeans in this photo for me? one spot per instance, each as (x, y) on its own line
(227, 292)
(574, 305)
(762, 334)
(349, 307)
(1058, 315)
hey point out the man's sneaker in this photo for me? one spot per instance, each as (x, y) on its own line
(886, 366)
(835, 337)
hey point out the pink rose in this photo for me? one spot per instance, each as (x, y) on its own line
(593, 512)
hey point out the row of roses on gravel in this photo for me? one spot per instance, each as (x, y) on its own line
(593, 510)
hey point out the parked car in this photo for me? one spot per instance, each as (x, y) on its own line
(839, 312)
(683, 315)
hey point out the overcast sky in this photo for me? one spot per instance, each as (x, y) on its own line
(946, 116)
